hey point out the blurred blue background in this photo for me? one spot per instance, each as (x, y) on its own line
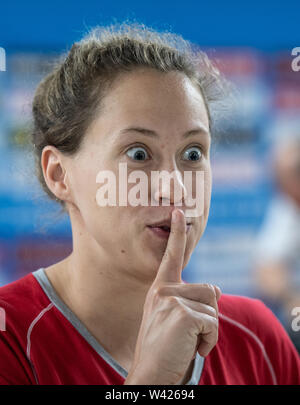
(251, 42)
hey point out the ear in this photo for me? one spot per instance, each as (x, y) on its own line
(54, 172)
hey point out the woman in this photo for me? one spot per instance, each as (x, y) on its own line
(116, 311)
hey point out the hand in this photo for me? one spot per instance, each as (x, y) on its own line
(178, 319)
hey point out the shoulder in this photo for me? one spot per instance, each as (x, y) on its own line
(22, 296)
(247, 310)
(252, 321)
(251, 316)
(21, 302)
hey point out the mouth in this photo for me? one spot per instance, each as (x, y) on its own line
(163, 231)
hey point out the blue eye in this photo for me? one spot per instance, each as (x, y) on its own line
(194, 153)
(137, 153)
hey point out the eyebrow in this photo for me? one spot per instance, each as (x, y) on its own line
(151, 133)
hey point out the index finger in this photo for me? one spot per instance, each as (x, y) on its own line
(170, 268)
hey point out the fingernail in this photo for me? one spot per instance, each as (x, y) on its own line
(219, 289)
(181, 212)
(175, 216)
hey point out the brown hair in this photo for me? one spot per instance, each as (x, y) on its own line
(66, 100)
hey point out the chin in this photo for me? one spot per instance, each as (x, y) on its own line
(152, 259)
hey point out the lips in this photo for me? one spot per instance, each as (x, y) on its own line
(162, 232)
(164, 224)
(163, 228)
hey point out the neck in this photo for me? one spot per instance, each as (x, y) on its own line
(107, 299)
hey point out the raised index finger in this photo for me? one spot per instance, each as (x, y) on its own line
(170, 268)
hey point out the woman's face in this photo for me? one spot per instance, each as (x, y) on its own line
(168, 105)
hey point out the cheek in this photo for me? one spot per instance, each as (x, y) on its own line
(81, 186)
(86, 181)
(84, 192)
(104, 225)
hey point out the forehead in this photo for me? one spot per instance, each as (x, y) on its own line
(164, 97)
(167, 103)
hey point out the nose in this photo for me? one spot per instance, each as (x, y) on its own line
(168, 187)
